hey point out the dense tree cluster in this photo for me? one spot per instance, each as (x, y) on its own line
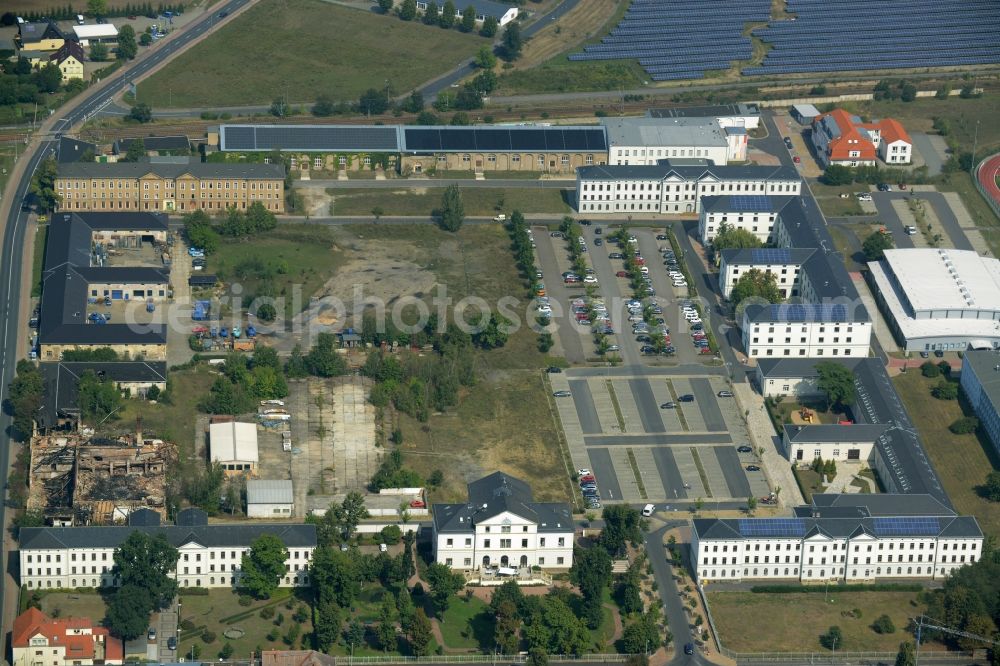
(143, 566)
(756, 284)
(836, 382)
(244, 383)
(875, 245)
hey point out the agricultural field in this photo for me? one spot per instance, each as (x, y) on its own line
(304, 49)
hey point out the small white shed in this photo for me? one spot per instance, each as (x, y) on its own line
(269, 499)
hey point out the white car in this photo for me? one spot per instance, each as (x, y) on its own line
(590, 279)
(544, 309)
(696, 320)
(647, 510)
(644, 270)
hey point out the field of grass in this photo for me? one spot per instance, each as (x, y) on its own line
(302, 50)
(504, 423)
(809, 482)
(73, 604)
(980, 212)
(830, 202)
(478, 201)
(796, 621)
(278, 261)
(467, 624)
(962, 461)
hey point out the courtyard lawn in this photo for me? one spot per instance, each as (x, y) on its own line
(467, 624)
(304, 49)
(478, 201)
(962, 461)
(795, 621)
(73, 604)
(219, 611)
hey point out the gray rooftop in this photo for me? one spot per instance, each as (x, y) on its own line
(984, 366)
(838, 527)
(745, 203)
(747, 256)
(310, 138)
(719, 111)
(61, 380)
(171, 169)
(806, 312)
(215, 535)
(664, 132)
(687, 170)
(826, 432)
(268, 491)
(500, 493)
(884, 504)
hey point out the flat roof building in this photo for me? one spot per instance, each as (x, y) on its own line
(98, 32)
(644, 141)
(234, 446)
(936, 298)
(727, 115)
(270, 498)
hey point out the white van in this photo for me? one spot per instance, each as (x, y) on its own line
(647, 510)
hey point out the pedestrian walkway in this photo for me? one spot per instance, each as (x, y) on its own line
(882, 332)
(765, 441)
(969, 228)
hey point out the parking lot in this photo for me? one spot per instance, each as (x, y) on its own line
(615, 426)
(577, 340)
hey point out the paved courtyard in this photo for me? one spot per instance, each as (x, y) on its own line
(641, 453)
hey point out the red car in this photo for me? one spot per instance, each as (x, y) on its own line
(587, 478)
(796, 159)
(621, 274)
(640, 261)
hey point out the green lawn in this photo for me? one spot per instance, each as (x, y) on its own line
(562, 75)
(478, 201)
(278, 262)
(962, 461)
(809, 482)
(749, 622)
(73, 604)
(467, 624)
(303, 49)
(219, 611)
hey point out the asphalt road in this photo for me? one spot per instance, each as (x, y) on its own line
(649, 411)
(585, 410)
(12, 257)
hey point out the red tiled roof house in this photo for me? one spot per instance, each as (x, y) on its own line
(38, 640)
(842, 138)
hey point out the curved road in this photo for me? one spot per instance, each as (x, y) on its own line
(12, 257)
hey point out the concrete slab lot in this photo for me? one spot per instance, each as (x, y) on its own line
(641, 453)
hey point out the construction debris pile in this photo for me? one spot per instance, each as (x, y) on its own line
(80, 480)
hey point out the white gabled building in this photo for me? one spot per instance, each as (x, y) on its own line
(849, 538)
(784, 263)
(756, 213)
(210, 555)
(502, 527)
(830, 441)
(806, 330)
(674, 187)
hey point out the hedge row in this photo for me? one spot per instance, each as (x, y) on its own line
(798, 589)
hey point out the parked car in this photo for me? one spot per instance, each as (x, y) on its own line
(554, 370)
(151, 634)
(725, 394)
(687, 397)
(561, 394)
(689, 648)
(797, 159)
(753, 468)
(661, 237)
(744, 449)
(647, 510)
(668, 405)
(598, 242)
(172, 643)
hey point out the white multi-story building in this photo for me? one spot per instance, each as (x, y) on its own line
(842, 138)
(806, 330)
(644, 141)
(742, 115)
(784, 263)
(754, 213)
(675, 187)
(850, 538)
(210, 555)
(829, 441)
(500, 527)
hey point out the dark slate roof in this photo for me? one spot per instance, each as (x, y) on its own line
(143, 518)
(745, 203)
(706, 111)
(191, 516)
(807, 312)
(438, 139)
(687, 171)
(801, 367)
(310, 138)
(32, 33)
(68, 272)
(71, 150)
(239, 535)
(69, 48)
(61, 380)
(498, 493)
(172, 170)
(154, 143)
(983, 364)
(766, 256)
(887, 504)
(826, 432)
(801, 527)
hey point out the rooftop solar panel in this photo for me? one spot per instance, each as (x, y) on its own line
(750, 203)
(773, 527)
(906, 526)
(770, 255)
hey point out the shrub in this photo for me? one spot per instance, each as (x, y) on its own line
(208, 636)
(930, 369)
(883, 625)
(244, 600)
(272, 635)
(964, 425)
(266, 613)
(945, 390)
(187, 625)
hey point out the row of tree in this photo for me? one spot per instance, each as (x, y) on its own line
(95, 8)
(447, 16)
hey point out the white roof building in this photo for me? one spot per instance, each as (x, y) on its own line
(97, 31)
(269, 498)
(939, 298)
(643, 141)
(234, 446)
